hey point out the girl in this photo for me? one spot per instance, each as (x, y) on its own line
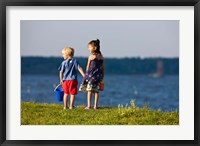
(94, 73)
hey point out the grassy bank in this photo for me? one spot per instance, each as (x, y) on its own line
(53, 114)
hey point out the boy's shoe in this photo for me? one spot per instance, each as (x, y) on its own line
(87, 107)
(72, 107)
(65, 108)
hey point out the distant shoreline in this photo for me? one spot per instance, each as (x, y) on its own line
(120, 66)
(104, 57)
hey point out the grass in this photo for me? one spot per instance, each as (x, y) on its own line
(53, 114)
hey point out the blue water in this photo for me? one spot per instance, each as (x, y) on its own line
(158, 93)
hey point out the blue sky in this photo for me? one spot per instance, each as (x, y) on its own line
(118, 38)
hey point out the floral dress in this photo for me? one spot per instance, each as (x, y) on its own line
(93, 76)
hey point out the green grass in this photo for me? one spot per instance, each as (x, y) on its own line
(53, 114)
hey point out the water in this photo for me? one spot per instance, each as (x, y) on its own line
(158, 93)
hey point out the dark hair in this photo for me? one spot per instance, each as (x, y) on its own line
(96, 43)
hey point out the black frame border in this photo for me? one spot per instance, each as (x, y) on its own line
(5, 3)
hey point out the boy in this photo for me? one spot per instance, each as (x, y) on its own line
(68, 75)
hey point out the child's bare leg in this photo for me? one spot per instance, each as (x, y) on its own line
(65, 100)
(96, 98)
(72, 101)
(89, 96)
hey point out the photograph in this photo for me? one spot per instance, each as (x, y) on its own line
(99, 72)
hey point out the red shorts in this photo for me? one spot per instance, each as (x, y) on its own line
(70, 87)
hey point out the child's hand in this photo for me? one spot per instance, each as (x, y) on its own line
(61, 82)
(81, 71)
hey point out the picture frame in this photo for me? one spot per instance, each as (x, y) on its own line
(5, 3)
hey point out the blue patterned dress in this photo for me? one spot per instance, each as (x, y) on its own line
(93, 76)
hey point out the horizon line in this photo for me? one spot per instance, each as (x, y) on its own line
(171, 57)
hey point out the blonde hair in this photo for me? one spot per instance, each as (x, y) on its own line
(69, 51)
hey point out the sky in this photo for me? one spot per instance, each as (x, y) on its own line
(118, 38)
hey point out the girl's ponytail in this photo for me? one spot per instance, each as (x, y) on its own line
(98, 46)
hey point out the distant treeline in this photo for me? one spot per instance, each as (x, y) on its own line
(49, 65)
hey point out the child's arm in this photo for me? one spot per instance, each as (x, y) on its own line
(88, 64)
(91, 57)
(81, 71)
(61, 76)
